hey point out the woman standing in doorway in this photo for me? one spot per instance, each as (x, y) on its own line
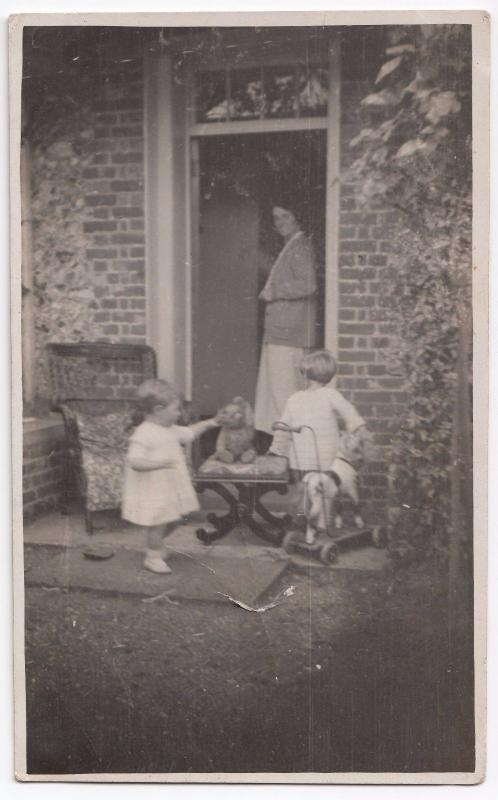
(290, 327)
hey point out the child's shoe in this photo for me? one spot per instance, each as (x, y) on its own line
(154, 563)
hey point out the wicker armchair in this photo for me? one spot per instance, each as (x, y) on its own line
(93, 387)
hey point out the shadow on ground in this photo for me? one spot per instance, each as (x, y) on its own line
(353, 672)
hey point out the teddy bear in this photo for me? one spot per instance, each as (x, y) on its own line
(235, 439)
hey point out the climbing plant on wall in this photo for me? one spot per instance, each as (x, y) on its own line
(414, 152)
(62, 288)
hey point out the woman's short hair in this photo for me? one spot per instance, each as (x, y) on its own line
(319, 366)
(296, 209)
(155, 392)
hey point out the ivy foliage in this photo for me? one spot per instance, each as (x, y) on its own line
(413, 155)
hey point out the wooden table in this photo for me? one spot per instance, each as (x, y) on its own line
(244, 498)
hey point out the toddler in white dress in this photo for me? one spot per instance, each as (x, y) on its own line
(158, 491)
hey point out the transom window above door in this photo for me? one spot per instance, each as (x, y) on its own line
(265, 92)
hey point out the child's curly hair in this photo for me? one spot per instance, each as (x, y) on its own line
(155, 392)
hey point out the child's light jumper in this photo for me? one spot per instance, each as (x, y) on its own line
(317, 410)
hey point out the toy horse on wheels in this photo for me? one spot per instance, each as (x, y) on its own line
(322, 490)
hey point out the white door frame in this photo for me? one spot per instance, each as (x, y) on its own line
(171, 135)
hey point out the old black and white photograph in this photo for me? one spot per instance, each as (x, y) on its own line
(251, 284)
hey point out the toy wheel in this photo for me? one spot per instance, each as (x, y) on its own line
(329, 553)
(288, 542)
(203, 536)
(379, 537)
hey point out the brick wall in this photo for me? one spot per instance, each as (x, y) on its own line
(109, 172)
(368, 370)
(112, 187)
(88, 239)
(43, 466)
(88, 219)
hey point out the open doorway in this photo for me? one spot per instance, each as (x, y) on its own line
(241, 178)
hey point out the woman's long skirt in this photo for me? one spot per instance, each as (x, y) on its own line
(278, 378)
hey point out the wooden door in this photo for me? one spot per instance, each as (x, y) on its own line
(225, 320)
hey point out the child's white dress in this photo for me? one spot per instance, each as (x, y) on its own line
(158, 496)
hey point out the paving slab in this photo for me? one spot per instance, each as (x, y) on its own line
(69, 531)
(209, 577)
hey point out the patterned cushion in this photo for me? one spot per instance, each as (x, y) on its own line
(103, 441)
(262, 467)
(110, 431)
(104, 479)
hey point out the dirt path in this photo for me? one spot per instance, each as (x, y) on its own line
(354, 671)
